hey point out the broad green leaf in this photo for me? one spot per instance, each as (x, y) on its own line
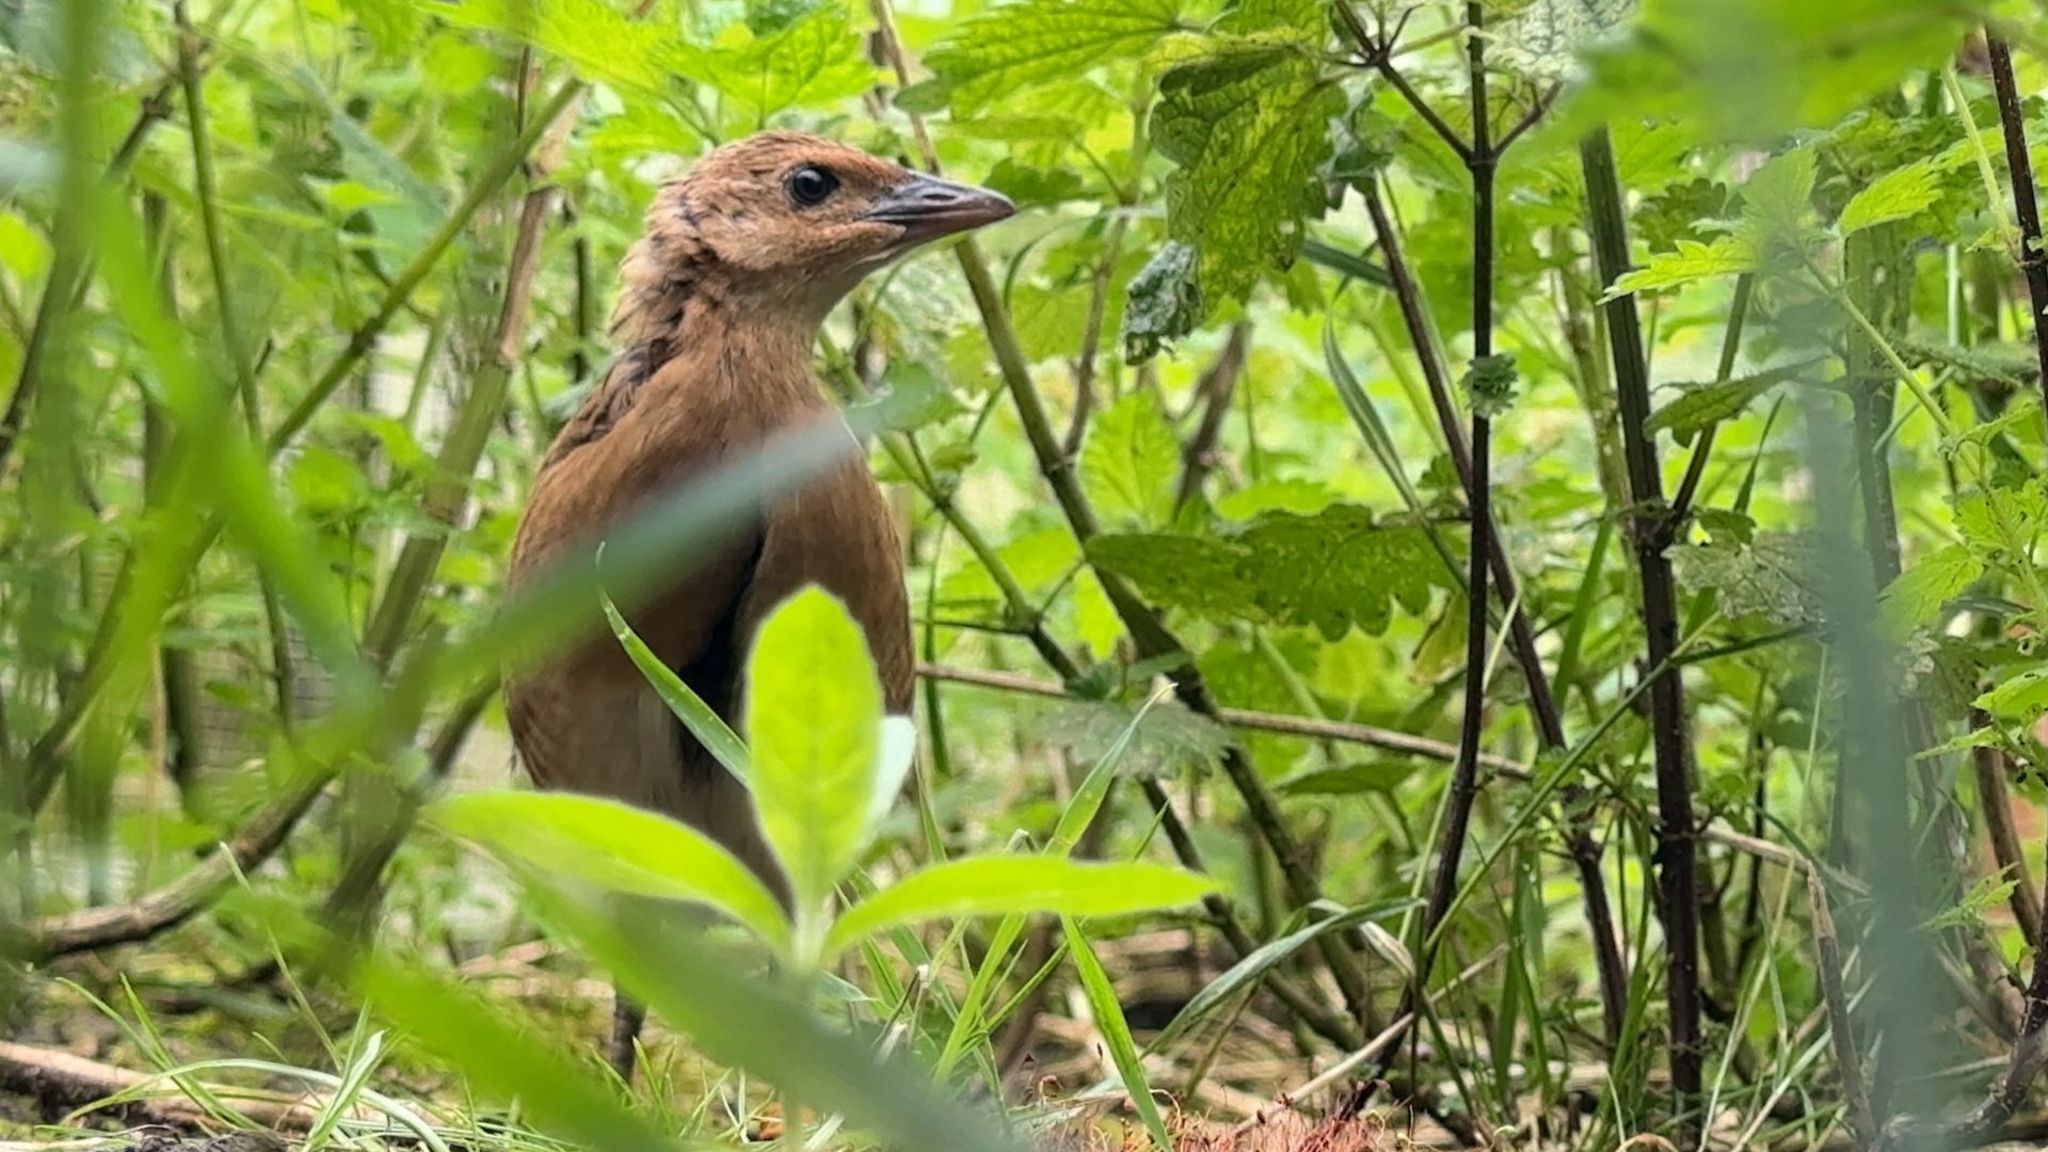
(1690, 262)
(1773, 577)
(1700, 405)
(2023, 697)
(813, 62)
(1922, 590)
(814, 714)
(1348, 779)
(1334, 570)
(1896, 195)
(1247, 123)
(703, 722)
(592, 37)
(1017, 885)
(615, 846)
(1130, 462)
(1154, 741)
(1753, 70)
(1010, 49)
(1116, 1032)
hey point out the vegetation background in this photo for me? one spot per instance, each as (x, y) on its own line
(1475, 561)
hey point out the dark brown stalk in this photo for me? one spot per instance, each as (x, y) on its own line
(1213, 393)
(1703, 444)
(1583, 845)
(1091, 337)
(2032, 258)
(2029, 1054)
(1995, 799)
(1677, 833)
(1464, 785)
(1841, 1026)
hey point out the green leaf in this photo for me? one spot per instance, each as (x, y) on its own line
(1920, 592)
(1247, 123)
(1116, 1032)
(1164, 304)
(1160, 740)
(1772, 578)
(2023, 698)
(615, 846)
(1489, 385)
(592, 37)
(1690, 262)
(1017, 885)
(1701, 405)
(814, 62)
(1334, 570)
(1896, 195)
(1011, 49)
(1348, 779)
(703, 722)
(814, 714)
(1130, 462)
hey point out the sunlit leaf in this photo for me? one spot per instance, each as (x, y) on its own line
(1130, 462)
(1896, 195)
(1011, 48)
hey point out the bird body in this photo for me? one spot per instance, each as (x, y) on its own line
(722, 302)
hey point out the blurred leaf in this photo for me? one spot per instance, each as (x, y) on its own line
(1334, 570)
(1772, 578)
(1348, 779)
(1160, 741)
(614, 846)
(1489, 385)
(561, 1095)
(1130, 462)
(814, 714)
(2023, 697)
(1116, 1033)
(700, 718)
(1921, 591)
(1017, 885)
(593, 37)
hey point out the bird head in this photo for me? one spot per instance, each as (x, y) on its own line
(785, 224)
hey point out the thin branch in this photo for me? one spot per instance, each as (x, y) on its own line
(1147, 631)
(2033, 259)
(1995, 799)
(1213, 393)
(1703, 442)
(1091, 336)
(1380, 57)
(1677, 832)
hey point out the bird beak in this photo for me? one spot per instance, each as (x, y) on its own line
(926, 208)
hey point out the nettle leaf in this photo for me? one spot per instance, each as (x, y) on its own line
(2024, 697)
(813, 62)
(1896, 195)
(1165, 302)
(1490, 385)
(1543, 41)
(1703, 404)
(1247, 123)
(1166, 740)
(1920, 592)
(1130, 461)
(1334, 571)
(1691, 261)
(1018, 46)
(595, 39)
(1771, 578)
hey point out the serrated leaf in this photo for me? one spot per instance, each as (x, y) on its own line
(812, 62)
(593, 37)
(1130, 461)
(2023, 698)
(1247, 124)
(1164, 302)
(1896, 195)
(1690, 262)
(1015, 47)
(1334, 571)
(1703, 404)
(1166, 740)
(1771, 578)
(1921, 591)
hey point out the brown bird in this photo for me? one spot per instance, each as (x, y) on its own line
(721, 306)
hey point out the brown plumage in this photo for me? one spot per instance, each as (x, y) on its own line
(721, 306)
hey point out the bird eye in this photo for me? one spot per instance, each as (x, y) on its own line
(810, 186)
